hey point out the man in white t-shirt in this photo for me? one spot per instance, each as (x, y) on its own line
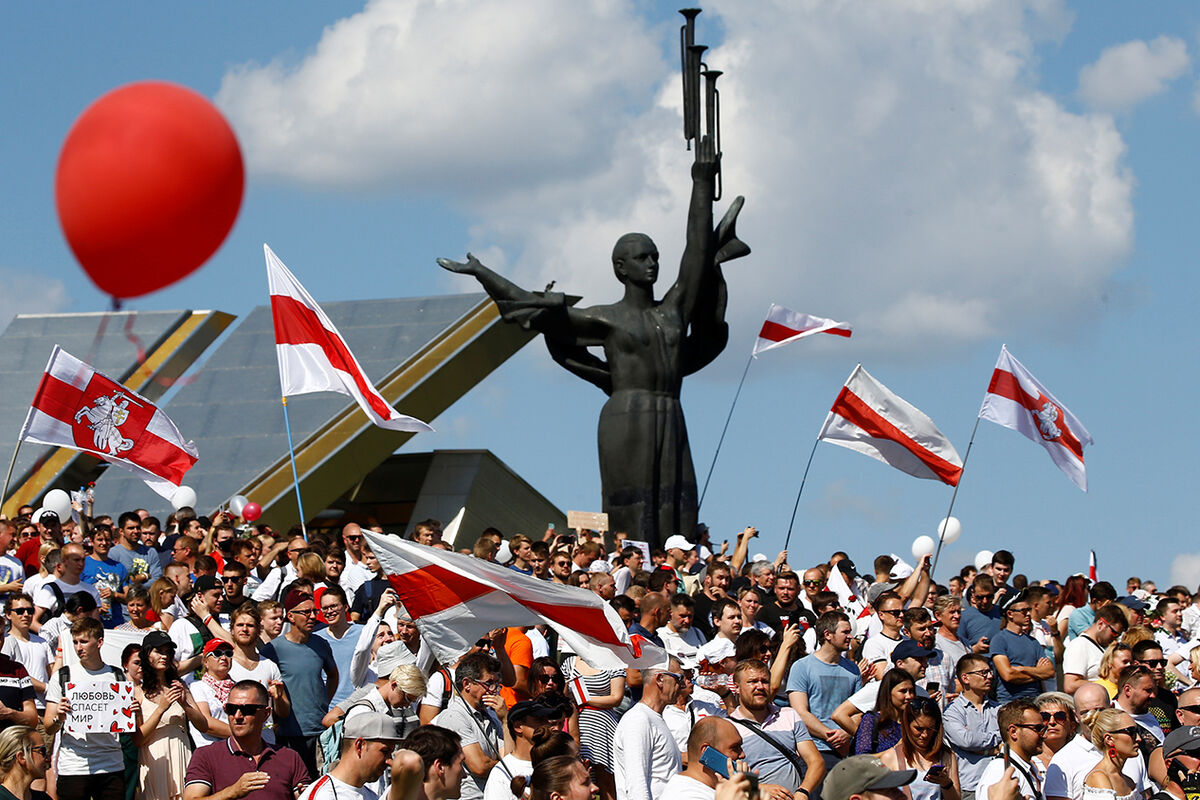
(644, 752)
(1081, 659)
(889, 607)
(91, 765)
(68, 581)
(699, 782)
(367, 744)
(28, 649)
(524, 720)
(12, 571)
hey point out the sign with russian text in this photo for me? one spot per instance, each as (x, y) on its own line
(100, 707)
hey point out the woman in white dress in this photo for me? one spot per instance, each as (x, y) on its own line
(1116, 736)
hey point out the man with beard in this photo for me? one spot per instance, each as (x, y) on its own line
(714, 588)
(776, 740)
(785, 608)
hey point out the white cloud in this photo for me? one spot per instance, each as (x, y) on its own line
(1185, 569)
(454, 95)
(901, 171)
(1126, 74)
(26, 293)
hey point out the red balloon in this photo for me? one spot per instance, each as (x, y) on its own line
(149, 183)
(251, 512)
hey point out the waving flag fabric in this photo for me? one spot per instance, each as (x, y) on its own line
(870, 418)
(455, 600)
(313, 356)
(1015, 399)
(78, 408)
(784, 325)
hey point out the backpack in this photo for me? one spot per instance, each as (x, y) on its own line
(330, 740)
(60, 604)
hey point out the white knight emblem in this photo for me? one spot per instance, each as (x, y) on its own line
(105, 417)
(1047, 415)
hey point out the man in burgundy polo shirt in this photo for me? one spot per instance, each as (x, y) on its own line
(244, 766)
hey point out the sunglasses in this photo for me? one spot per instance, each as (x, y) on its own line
(1153, 662)
(897, 612)
(1058, 716)
(1195, 709)
(41, 750)
(814, 583)
(222, 652)
(550, 678)
(21, 611)
(353, 538)
(1039, 727)
(308, 612)
(1133, 732)
(244, 709)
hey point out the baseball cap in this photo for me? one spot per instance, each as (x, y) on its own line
(909, 649)
(527, 709)
(392, 655)
(1182, 740)
(213, 644)
(599, 565)
(157, 639)
(677, 541)
(858, 774)
(372, 725)
(206, 583)
(876, 589)
(717, 650)
(294, 598)
(44, 516)
(1132, 603)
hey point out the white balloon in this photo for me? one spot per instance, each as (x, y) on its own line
(237, 503)
(949, 529)
(184, 496)
(983, 558)
(59, 502)
(922, 546)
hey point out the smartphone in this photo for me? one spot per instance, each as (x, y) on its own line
(550, 525)
(715, 760)
(935, 772)
(933, 686)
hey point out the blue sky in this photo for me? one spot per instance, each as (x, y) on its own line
(948, 177)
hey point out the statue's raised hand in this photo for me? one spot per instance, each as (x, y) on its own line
(708, 161)
(471, 267)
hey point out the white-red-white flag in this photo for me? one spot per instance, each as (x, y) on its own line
(871, 419)
(313, 356)
(1015, 399)
(1092, 566)
(456, 599)
(784, 325)
(78, 408)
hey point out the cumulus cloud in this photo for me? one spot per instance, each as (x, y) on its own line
(26, 293)
(1185, 569)
(902, 170)
(1126, 74)
(457, 95)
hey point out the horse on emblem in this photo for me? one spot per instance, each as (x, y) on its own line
(1047, 415)
(105, 417)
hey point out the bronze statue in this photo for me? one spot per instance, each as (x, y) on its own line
(648, 484)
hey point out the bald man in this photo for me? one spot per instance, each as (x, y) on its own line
(356, 572)
(1071, 764)
(698, 780)
(655, 610)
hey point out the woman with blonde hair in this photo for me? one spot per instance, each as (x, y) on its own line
(162, 598)
(23, 760)
(1117, 657)
(1115, 735)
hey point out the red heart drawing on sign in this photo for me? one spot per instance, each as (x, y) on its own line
(113, 686)
(127, 712)
(114, 729)
(70, 686)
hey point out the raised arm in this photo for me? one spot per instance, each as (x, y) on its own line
(699, 252)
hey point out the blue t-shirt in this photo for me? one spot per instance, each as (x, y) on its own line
(113, 575)
(343, 651)
(303, 667)
(1080, 620)
(827, 687)
(139, 561)
(1022, 651)
(975, 625)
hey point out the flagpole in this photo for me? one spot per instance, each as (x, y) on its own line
(287, 423)
(802, 480)
(8, 475)
(723, 430)
(946, 522)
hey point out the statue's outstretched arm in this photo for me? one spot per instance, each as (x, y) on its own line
(547, 312)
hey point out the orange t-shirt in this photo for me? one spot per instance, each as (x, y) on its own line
(520, 653)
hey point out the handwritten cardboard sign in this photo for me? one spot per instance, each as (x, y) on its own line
(100, 707)
(591, 520)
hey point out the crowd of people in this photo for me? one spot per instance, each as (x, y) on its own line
(284, 666)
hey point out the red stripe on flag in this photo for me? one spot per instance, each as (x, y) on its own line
(431, 589)
(1006, 385)
(851, 406)
(57, 399)
(163, 458)
(296, 323)
(774, 332)
(591, 622)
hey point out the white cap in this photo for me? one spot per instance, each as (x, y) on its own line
(718, 650)
(754, 559)
(600, 565)
(677, 541)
